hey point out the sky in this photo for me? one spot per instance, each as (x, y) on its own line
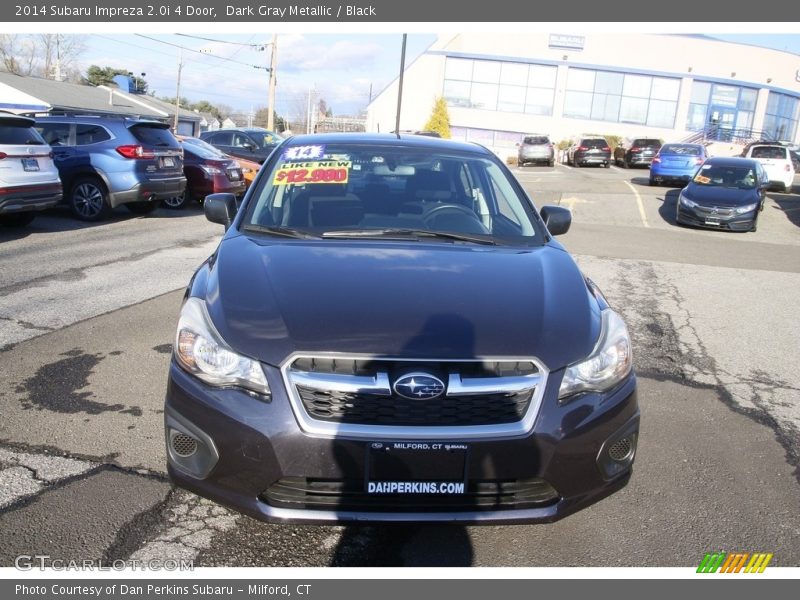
(340, 68)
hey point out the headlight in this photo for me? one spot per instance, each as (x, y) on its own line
(686, 202)
(201, 351)
(607, 365)
(740, 210)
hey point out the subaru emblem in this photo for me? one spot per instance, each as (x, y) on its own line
(419, 386)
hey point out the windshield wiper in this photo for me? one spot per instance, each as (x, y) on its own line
(403, 233)
(280, 231)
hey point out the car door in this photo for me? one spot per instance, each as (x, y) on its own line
(245, 147)
(61, 137)
(222, 140)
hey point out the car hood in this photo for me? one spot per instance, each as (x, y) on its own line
(270, 298)
(709, 195)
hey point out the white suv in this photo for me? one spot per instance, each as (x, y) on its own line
(29, 179)
(777, 162)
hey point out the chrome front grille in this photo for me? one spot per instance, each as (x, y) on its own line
(354, 396)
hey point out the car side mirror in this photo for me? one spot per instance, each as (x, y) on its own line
(220, 208)
(557, 219)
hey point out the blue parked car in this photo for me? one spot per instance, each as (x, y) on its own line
(677, 163)
(107, 161)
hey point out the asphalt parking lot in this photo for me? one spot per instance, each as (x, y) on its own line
(87, 315)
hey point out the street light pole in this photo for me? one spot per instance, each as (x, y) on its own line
(273, 64)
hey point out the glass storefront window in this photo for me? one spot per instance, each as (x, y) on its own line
(458, 68)
(486, 71)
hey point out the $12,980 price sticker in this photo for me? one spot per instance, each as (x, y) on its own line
(322, 171)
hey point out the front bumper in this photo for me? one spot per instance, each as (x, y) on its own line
(695, 218)
(252, 445)
(28, 198)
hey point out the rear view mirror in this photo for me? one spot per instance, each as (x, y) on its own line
(220, 208)
(557, 218)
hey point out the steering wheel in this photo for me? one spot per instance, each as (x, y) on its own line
(458, 209)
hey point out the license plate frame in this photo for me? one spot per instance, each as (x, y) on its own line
(30, 164)
(416, 468)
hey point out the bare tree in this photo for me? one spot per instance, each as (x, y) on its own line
(58, 53)
(45, 55)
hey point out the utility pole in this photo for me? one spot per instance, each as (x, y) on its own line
(273, 64)
(178, 91)
(400, 86)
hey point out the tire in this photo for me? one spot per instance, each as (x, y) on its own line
(176, 202)
(88, 199)
(551, 162)
(17, 219)
(652, 182)
(142, 208)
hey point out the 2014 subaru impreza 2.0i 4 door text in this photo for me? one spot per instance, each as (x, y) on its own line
(388, 331)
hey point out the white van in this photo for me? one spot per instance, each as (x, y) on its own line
(29, 180)
(776, 162)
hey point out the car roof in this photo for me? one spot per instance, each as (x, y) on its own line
(731, 161)
(387, 139)
(103, 118)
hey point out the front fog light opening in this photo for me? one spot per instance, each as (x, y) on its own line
(617, 454)
(183, 445)
(621, 450)
(189, 449)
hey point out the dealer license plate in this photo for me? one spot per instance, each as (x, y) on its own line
(714, 222)
(30, 164)
(430, 468)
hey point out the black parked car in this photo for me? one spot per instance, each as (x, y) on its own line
(589, 151)
(639, 152)
(388, 331)
(250, 143)
(726, 193)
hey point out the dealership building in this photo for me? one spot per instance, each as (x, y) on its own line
(500, 87)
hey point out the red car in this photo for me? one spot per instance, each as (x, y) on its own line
(208, 171)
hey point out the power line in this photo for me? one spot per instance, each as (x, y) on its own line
(197, 37)
(199, 52)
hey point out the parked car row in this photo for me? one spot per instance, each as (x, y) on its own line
(95, 163)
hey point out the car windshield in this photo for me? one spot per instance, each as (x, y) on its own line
(265, 139)
(681, 149)
(391, 191)
(202, 149)
(769, 152)
(26, 136)
(726, 176)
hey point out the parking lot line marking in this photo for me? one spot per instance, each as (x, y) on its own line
(638, 203)
(616, 168)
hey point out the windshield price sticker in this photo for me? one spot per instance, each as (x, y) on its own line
(321, 171)
(303, 153)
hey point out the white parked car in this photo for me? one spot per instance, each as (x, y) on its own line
(29, 180)
(777, 162)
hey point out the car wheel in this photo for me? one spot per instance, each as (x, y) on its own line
(551, 162)
(652, 182)
(176, 202)
(142, 208)
(88, 199)
(17, 219)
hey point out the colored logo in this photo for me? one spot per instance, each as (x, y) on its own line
(419, 386)
(734, 562)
